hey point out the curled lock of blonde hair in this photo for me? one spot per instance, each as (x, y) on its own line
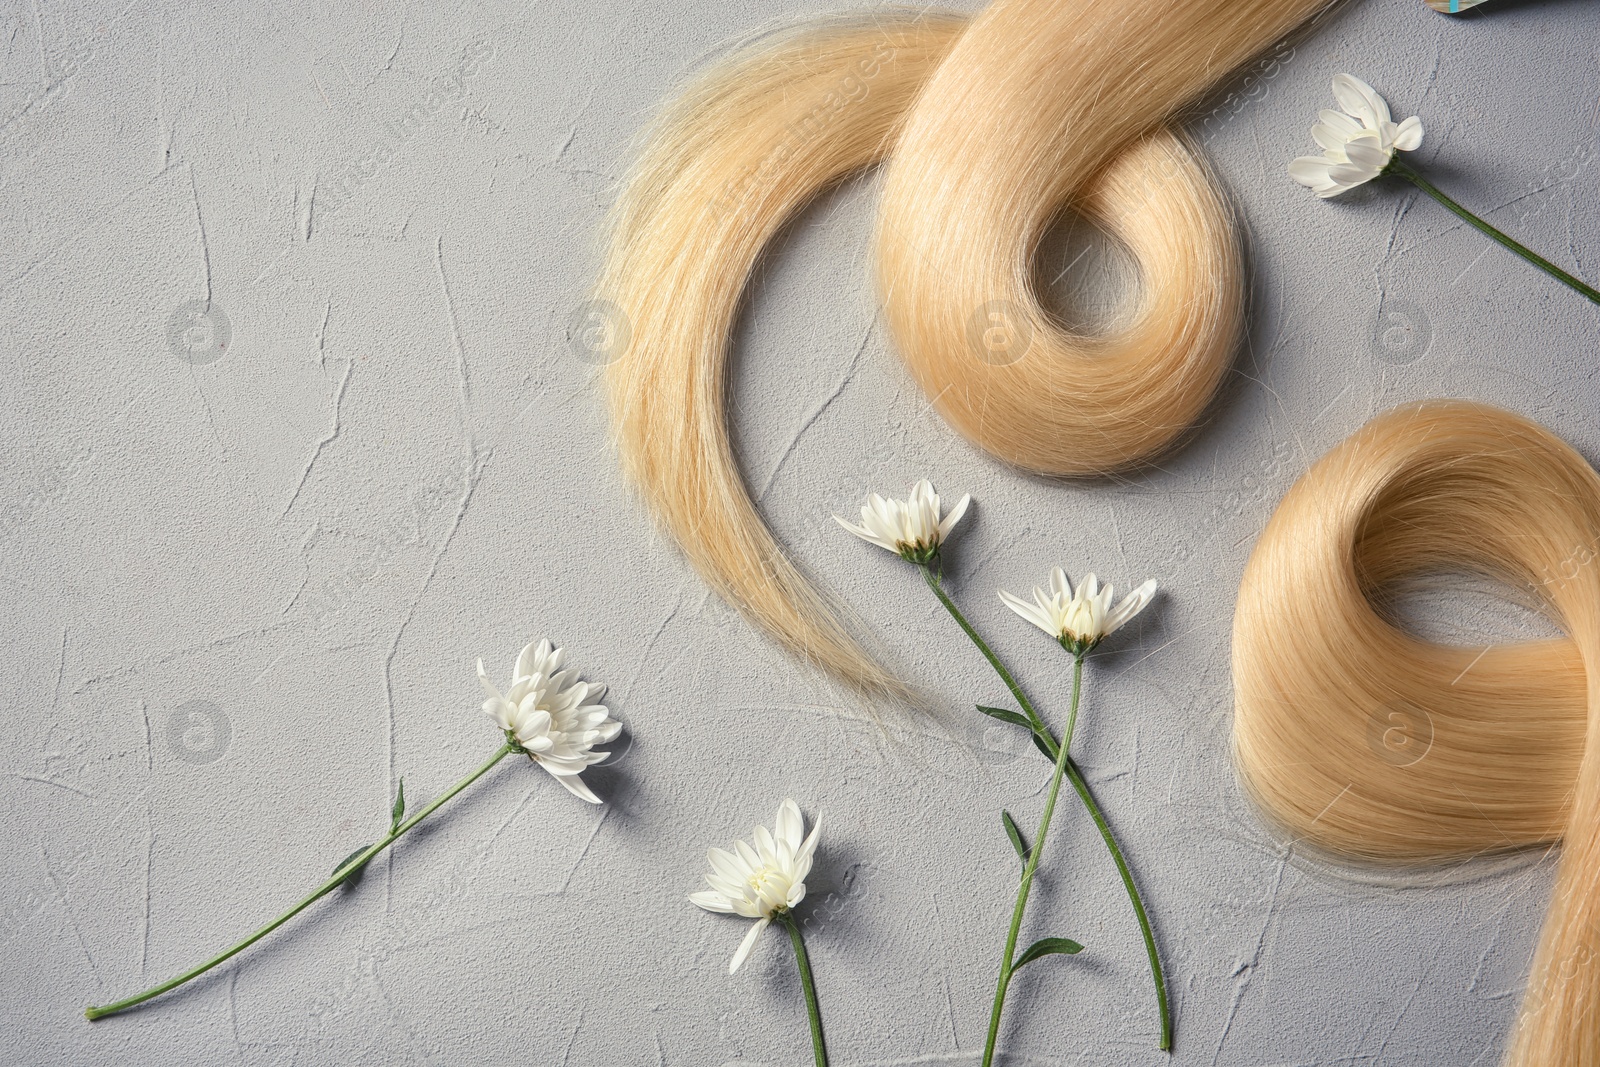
(992, 128)
(1370, 743)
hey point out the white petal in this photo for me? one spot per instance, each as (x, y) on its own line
(1361, 100)
(1367, 152)
(576, 787)
(1328, 137)
(773, 894)
(728, 865)
(1340, 122)
(1052, 607)
(730, 890)
(711, 902)
(866, 534)
(499, 711)
(766, 847)
(1379, 106)
(1102, 602)
(1131, 605)
(1312, 172)
(1029, 612)
(1350, 175)
(802, 858)
(1059, 585)
(1408, 135)
(746, 945)
(791, 824)
(484, 678)
(520, 689)
(948, 523)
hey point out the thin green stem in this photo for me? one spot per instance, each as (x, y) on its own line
(1076, 777)
(316, 894)
(803, 962)
(1028, 870)
(1081, 786)
(1402, 170)
(988, 653)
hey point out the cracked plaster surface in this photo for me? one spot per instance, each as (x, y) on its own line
(245, 593)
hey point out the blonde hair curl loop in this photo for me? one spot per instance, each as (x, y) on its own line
(992, 128)
(1368, 742)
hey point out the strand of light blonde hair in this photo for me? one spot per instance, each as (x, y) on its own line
(1365, 741)
(1040, 106)
(747, 145)
(1046, 103)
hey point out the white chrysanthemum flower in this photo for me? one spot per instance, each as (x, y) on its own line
(763, 882)
(909, 528)
(1081, 618)
(1357, 143)
(551, 715)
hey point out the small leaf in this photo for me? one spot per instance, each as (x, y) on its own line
(1046, 745)
(1015, 835)
(354, 877)
(1044, 947)
(399, 810)
(1012, 717)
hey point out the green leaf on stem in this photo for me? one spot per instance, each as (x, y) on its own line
(1045, 946)
(1015, 835)
(398, 812)
(1045, 744)
(1012, 717)
(351, 880)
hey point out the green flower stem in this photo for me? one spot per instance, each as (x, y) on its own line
(1076, 777)
(1081, 786)
(934, 583)
(1402, 170)
(1007, 960)
(803, 962)
(321, 891)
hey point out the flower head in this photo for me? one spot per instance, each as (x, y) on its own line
(763, 882)
(909, 528)
(1080, 619)
(1358, 143)
(549, 714)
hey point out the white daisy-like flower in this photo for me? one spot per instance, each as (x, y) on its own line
(552, 715)
(1357, 143)
(1081, 618)
(909, 528)
(763, 882)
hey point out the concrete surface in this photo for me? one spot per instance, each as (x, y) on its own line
(250, 556)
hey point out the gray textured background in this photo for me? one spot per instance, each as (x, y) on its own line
(244, 587)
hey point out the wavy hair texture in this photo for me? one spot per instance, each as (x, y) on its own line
(1372, 744)
(992, 128)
